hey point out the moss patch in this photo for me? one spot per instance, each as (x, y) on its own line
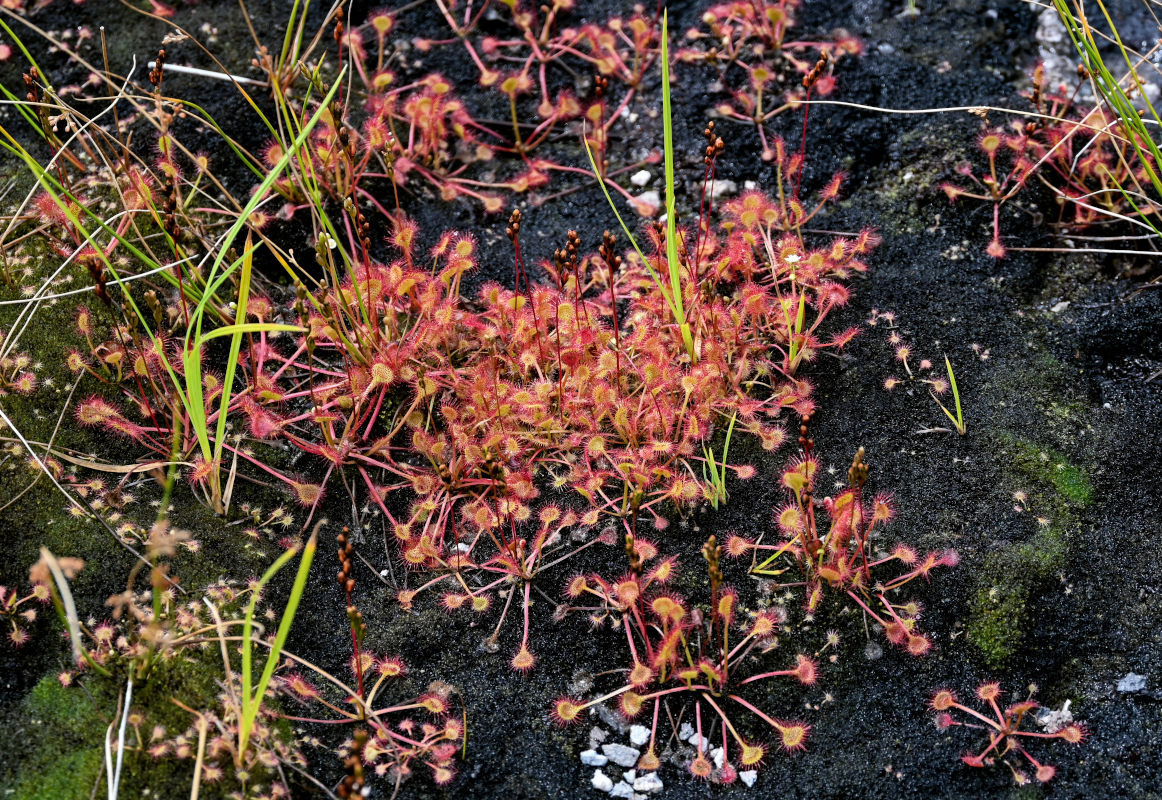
(1049, 469)
(68, 776)
(999, 612)
(56, 746)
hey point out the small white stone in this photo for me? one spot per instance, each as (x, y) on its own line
(750, 186)
(629, 775)
(1132, 683)
(723, 186)
(591, 758)
(602, 782)
(639, 734)
(717, 756)
(620, 754)
(648, 783)
(641, 178)
(685, 731)
(1059, 307)
(1053, 720)
(650, 198)
(748, 776)
(623, 789)
(698, 742)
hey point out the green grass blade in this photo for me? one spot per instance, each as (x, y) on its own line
(250, 327)
(1111, 90)
(959, 420)
(677, 303)
(624, 227)
(252, 700)
(213, 279)
(235, 347)
(193, 399)
(726, 445)
(288, 618)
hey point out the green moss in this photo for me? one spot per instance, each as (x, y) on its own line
(66, 710)
(56, 749)
(1072, 484)
(1042, 555)
(1049, 469)
(67, 776)
(999, 614)
(1030, 792)
(998, 621)
(61, 746)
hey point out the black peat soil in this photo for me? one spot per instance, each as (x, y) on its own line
(1053, 355)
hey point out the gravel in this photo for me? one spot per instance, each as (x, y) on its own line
(620, 754)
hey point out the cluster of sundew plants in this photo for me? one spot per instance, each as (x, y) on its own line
(749, 39)
(17, 372)
(937, 385)
(19, 613)
(601, 400)
(562, 75)
(540, 380)
(420, 128)
(844, 561)
(367, 375)
(141, 344)
(681, 651)
(1083, 155)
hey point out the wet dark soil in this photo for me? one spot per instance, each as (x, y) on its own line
(1056, 356)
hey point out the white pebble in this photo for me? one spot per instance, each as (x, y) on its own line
(651, 198)
(717, 756)
(748, 776)
(620, 754)
(623, 789)
(591, 758)
(723, 186)
(602, 782)
(685, 731)
(629, 776)
(648, 783)
(639, 734)
(641, 178)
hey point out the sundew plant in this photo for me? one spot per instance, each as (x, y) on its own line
(463, 394)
